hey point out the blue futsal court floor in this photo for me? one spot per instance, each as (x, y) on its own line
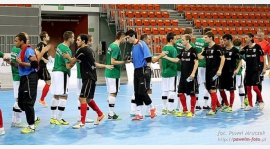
(237, 128)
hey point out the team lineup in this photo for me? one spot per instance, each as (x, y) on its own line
(184, 67)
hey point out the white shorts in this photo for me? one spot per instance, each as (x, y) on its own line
(239, 80)
(16, 85)
(178, 77)
(113, 85)
(169, 84)
(201, 75)
(60, 83)
(79, 86)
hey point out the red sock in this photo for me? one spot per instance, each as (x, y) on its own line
(249, 94)
(218, 103)
(45, 92)
(183, 101)
(94, 106)
(83, 112)
(1, 119)
(231, 98)
(214, 100)
(192, 103)
(258, 92)
(224, 97)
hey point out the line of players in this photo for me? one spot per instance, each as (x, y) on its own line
(219, 67)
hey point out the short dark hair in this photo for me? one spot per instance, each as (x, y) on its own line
(84, 37)
(187, 37)
(131, 32)
(250, 35)
(170, 36)
(227, 36)
(42, 35)
(188, 30)
(210, 34)
(207, 29)
(237, 42)
(67, 35)
(119, 34)
(143, 36)
(21, 36)
(89, 37)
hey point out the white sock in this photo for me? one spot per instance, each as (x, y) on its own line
(111, 105)
(171, 100)
(139, 110)
(79, 108)
(133, 104)
(32, 126)
(242, 94)
(197, 99)
(54, 104)
(206, 97)
(164, 100)
(61, 108)
(17, 114)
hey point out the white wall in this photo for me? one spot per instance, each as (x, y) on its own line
(93, 22)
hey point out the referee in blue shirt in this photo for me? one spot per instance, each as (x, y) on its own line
(141, 58)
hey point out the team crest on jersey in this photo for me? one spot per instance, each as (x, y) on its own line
(254, 50)
(188, 53)
(230, 53)
(212, 51)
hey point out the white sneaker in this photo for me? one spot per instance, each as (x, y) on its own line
(248, 108)
(242, 106)
(78, 125)
(261, 105)
(20, 125)
(132, 113)
(2, 131)
(88, 120)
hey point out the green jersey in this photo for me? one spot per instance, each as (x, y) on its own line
(169, 69)
(1, 54)
(79, 76)
(115, 53)
(179, 47)
(199, 45)
(237, 61)
(59, 60)
(15, 71)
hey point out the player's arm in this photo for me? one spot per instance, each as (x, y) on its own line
(72, 61)
(195, 67)
(31, 56)
(41, 52)
(222, 61)
(238, 56)
(201, 55)
(175, 60)
(98, 65)
(155, 59)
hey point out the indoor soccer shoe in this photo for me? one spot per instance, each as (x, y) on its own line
(137, 118)
(99, 119)
(114, 117)
(27, 130)
(78, 125)
(246, 102)
(181, 114)
(2, 131)
(190, 115)
(211, 113)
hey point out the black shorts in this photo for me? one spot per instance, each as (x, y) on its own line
(28, 90)
(226, 81)
(252, 78)
(210, 84)
(189, 88)
(43, 74)
(88, 88)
